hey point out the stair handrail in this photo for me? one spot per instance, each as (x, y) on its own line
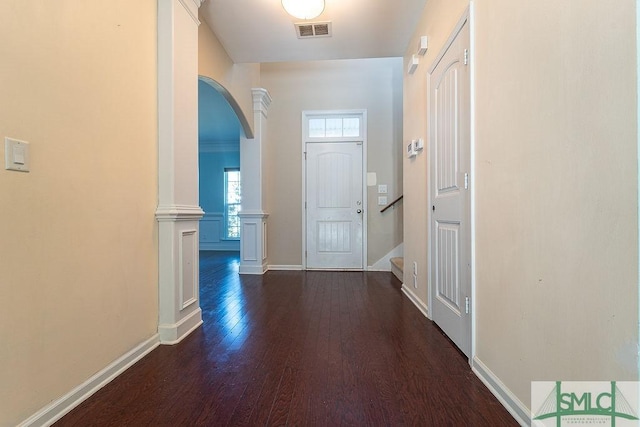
(392, 203)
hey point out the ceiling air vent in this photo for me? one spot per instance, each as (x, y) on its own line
(313, 30)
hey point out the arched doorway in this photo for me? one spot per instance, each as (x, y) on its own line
(220, 192)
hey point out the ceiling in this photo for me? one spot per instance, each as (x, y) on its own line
(261, 31)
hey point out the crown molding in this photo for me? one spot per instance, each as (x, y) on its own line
(219, 146)
(261, 100)
(192, 6)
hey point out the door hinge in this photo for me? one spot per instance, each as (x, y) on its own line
(467, 304)
(305, 155)
(466, 180)
(466, 57)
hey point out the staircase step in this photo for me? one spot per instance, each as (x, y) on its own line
(397, 267)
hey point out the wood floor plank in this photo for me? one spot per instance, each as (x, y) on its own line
(296, 348)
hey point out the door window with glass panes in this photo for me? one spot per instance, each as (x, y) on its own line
(232, 198)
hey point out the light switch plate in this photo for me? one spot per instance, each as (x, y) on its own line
(382, 200)
(382, 189)
(16, 155)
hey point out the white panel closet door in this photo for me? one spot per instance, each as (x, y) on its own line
(450, 199)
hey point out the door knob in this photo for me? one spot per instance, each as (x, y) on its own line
(359, 211)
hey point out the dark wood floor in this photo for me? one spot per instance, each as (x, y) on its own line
(299, 349)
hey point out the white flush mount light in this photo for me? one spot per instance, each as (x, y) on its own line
(303, 9)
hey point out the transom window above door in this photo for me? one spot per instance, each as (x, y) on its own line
(334, 127)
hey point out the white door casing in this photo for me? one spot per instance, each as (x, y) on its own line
(334, 204)
(450, 164)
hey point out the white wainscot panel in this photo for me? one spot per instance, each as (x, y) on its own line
(253, 251)
(212, 234)
(249, 241)
(211, 226)
(264, 241)
(188, 268)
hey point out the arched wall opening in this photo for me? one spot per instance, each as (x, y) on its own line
(233, 104)
(220, 192)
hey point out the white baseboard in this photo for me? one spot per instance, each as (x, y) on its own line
(252, 269)
(171, 334)
(516, 408)
(59, 407)
(415, 300)
(285, 267)
(231, 246)
(384, 263)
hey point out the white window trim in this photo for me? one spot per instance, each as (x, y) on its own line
(225, 235)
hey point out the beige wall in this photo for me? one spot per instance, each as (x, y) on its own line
(555, 186)
(557, 261)
(78, 248)
(374, 85)
(238, 79)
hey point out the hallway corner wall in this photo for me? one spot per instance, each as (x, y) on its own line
(556, 191)
(555, 183)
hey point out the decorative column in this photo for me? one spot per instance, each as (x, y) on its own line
(253, 218)
(178, 211)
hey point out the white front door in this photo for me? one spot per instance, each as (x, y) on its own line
(449, 123)
(334, 205)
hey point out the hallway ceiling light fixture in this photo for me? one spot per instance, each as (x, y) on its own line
(303, 9)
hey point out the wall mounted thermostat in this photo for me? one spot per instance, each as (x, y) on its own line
(411, 151)
(16, 155)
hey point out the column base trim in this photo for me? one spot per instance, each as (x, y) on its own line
(171, 334)
(253, 269)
